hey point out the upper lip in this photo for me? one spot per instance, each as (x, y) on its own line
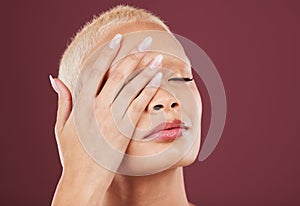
(167, 125)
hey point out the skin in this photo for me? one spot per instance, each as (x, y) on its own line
(83, 181)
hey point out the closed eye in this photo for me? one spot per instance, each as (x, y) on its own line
(186, 79)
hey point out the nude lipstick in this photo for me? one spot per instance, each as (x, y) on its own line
(167, 131)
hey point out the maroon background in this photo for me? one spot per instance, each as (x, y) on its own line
(254, 45)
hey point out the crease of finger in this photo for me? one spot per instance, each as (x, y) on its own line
(97, 73)
(134, 75)
(126, 82)
(114, 83)
(144, 96)
(133, 89)
(123, 68)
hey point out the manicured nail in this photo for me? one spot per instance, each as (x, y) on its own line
(145, 44)
(155, 82)
(156, 62)
(115, 41)
(53, 84)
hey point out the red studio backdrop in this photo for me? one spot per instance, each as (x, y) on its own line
(253, 44)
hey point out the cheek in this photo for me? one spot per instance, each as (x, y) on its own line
(197, 97)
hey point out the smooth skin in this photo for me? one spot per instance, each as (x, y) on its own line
(83, 181)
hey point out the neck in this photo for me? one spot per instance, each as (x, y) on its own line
(165, 188)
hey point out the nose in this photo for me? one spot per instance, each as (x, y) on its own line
(163, 101)
(165, 106)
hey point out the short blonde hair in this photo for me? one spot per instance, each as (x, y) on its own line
(88, 36)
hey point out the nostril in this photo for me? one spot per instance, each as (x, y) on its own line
(158, 107)
(174, 104)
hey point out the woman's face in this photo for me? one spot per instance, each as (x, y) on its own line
(168, 132)
(172, 116)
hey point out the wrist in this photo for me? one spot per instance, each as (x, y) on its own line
(77, 191)
(85, 179)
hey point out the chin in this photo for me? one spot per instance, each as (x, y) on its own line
(141, 166)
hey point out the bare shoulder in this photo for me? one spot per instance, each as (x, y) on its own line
(191, 204)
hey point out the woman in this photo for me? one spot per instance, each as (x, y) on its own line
(126, 71)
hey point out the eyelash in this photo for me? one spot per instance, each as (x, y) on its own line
(186, 79)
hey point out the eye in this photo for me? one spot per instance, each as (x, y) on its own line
(185, 79)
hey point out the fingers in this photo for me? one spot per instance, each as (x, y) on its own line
(64, 103)
(134, 87)
(94, 71)
(122, 69)
(138, 105)
(126, 123)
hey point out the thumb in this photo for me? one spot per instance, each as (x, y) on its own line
(64, 102)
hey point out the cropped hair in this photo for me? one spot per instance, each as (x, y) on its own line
(88, 36)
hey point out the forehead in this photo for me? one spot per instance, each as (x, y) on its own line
(163, 42)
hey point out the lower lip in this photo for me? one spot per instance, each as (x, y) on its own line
(167, 135)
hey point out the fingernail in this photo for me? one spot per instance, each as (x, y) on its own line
(115, 41)
(156, 62)
(145, 44)
(53, 84)
(155, 82)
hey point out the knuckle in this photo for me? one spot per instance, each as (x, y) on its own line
(106, 52)
(130, 90)
(134, 57)
(135, 106)
(145, 75)
(148, 92)
(117, 76)
(92, 72)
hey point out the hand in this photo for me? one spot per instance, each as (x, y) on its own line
(82, 176)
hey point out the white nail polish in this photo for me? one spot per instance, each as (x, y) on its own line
(53, 84)
(145, 44)
(155, 82)
(115, 41)
(156, 62)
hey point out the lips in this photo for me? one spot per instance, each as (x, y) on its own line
(167, 131)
